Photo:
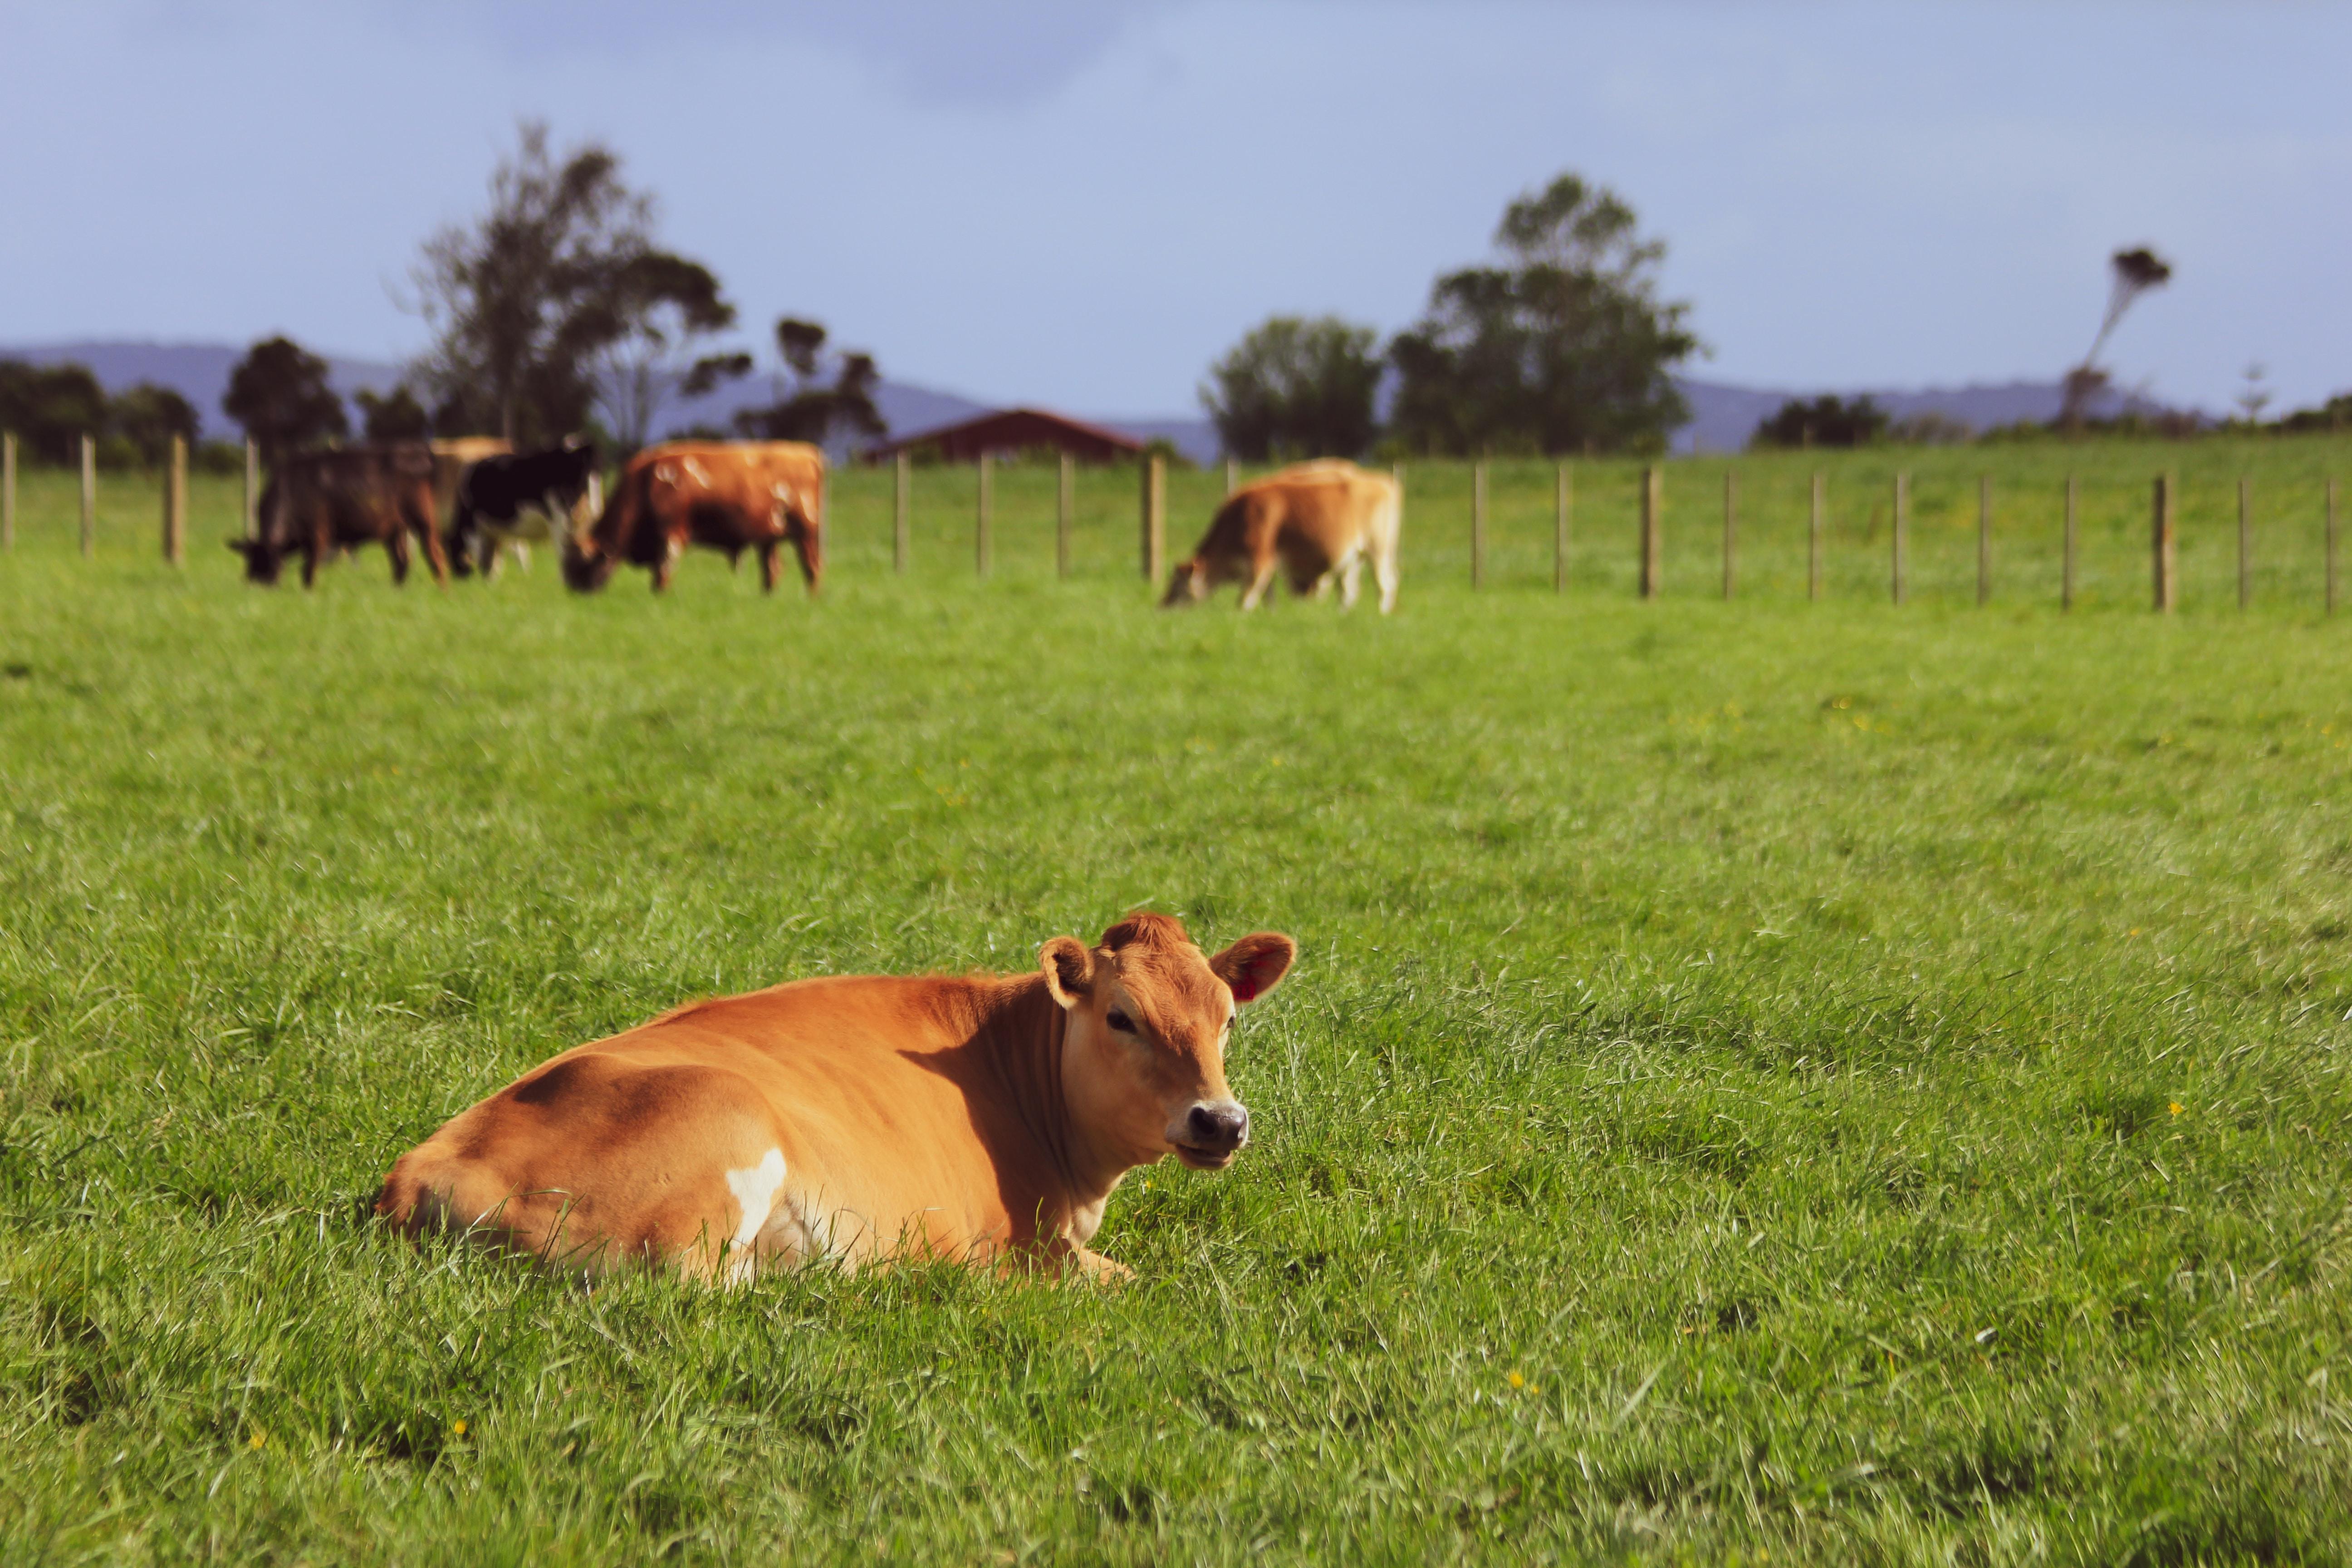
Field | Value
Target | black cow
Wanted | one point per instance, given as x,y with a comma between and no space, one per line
321,502
530,496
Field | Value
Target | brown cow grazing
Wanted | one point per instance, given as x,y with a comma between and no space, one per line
856,1119
728,495
320,503
1313,520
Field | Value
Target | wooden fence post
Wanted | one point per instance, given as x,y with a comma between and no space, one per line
1730,532
1478,524
7,490
2331,546
1653,526
1813,542
89,498
2160,544
900,528
1155,515
1064,503
252,489
2245,542
175,504
1561,502
1984,540
1902,530
2067,553
979,541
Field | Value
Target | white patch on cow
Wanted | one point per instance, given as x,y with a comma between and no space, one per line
694,470
755,1189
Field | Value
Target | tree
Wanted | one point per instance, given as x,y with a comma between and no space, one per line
393,415
1565,345
807,408
50,407
1824,422
1295,388
665,305
148,417
2131,273
278,391
557,286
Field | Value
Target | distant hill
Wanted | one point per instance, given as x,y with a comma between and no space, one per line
1722,416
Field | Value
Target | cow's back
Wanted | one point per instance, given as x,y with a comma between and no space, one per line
848,1116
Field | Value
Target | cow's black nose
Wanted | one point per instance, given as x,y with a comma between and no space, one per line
1217,1126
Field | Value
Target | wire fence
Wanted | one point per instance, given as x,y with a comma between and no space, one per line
2220,522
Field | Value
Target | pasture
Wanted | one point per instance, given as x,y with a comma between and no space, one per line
1763,1083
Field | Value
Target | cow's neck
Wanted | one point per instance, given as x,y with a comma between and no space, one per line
1027,1033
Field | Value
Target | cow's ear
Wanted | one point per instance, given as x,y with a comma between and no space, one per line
1255,964
1069,966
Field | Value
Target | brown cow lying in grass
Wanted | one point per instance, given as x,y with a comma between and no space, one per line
727,495
856,1119
319,502
1312,520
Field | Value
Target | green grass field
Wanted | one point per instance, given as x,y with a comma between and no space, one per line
1763,1083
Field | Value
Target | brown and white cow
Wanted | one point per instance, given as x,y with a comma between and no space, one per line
859,1119
319,502
1312,520
727,495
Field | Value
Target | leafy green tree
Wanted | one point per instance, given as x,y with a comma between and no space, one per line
557,288
807,407
1824,422
393,415
50,407
1295,388
148,417
278,391
1563,345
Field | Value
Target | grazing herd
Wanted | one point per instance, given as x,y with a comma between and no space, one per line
1314,524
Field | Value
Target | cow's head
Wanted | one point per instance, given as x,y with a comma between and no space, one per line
262,559
1143,1063
1189,585
587,566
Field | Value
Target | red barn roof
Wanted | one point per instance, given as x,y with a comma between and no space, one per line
1016,430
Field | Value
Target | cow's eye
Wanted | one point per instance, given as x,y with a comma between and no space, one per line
1120,1021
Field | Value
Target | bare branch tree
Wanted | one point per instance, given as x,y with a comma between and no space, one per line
2132,273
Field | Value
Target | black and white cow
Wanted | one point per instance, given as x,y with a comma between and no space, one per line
530,497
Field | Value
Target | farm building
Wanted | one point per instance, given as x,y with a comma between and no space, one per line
1010,430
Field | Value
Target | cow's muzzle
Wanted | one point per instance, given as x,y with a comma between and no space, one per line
1211,1134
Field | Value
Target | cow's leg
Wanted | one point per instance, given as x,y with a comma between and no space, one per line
771,565
662,568
1384,573
314,549
421,524
1260,583
395,545
1350,578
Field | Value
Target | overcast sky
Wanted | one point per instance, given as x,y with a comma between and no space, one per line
1081,202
